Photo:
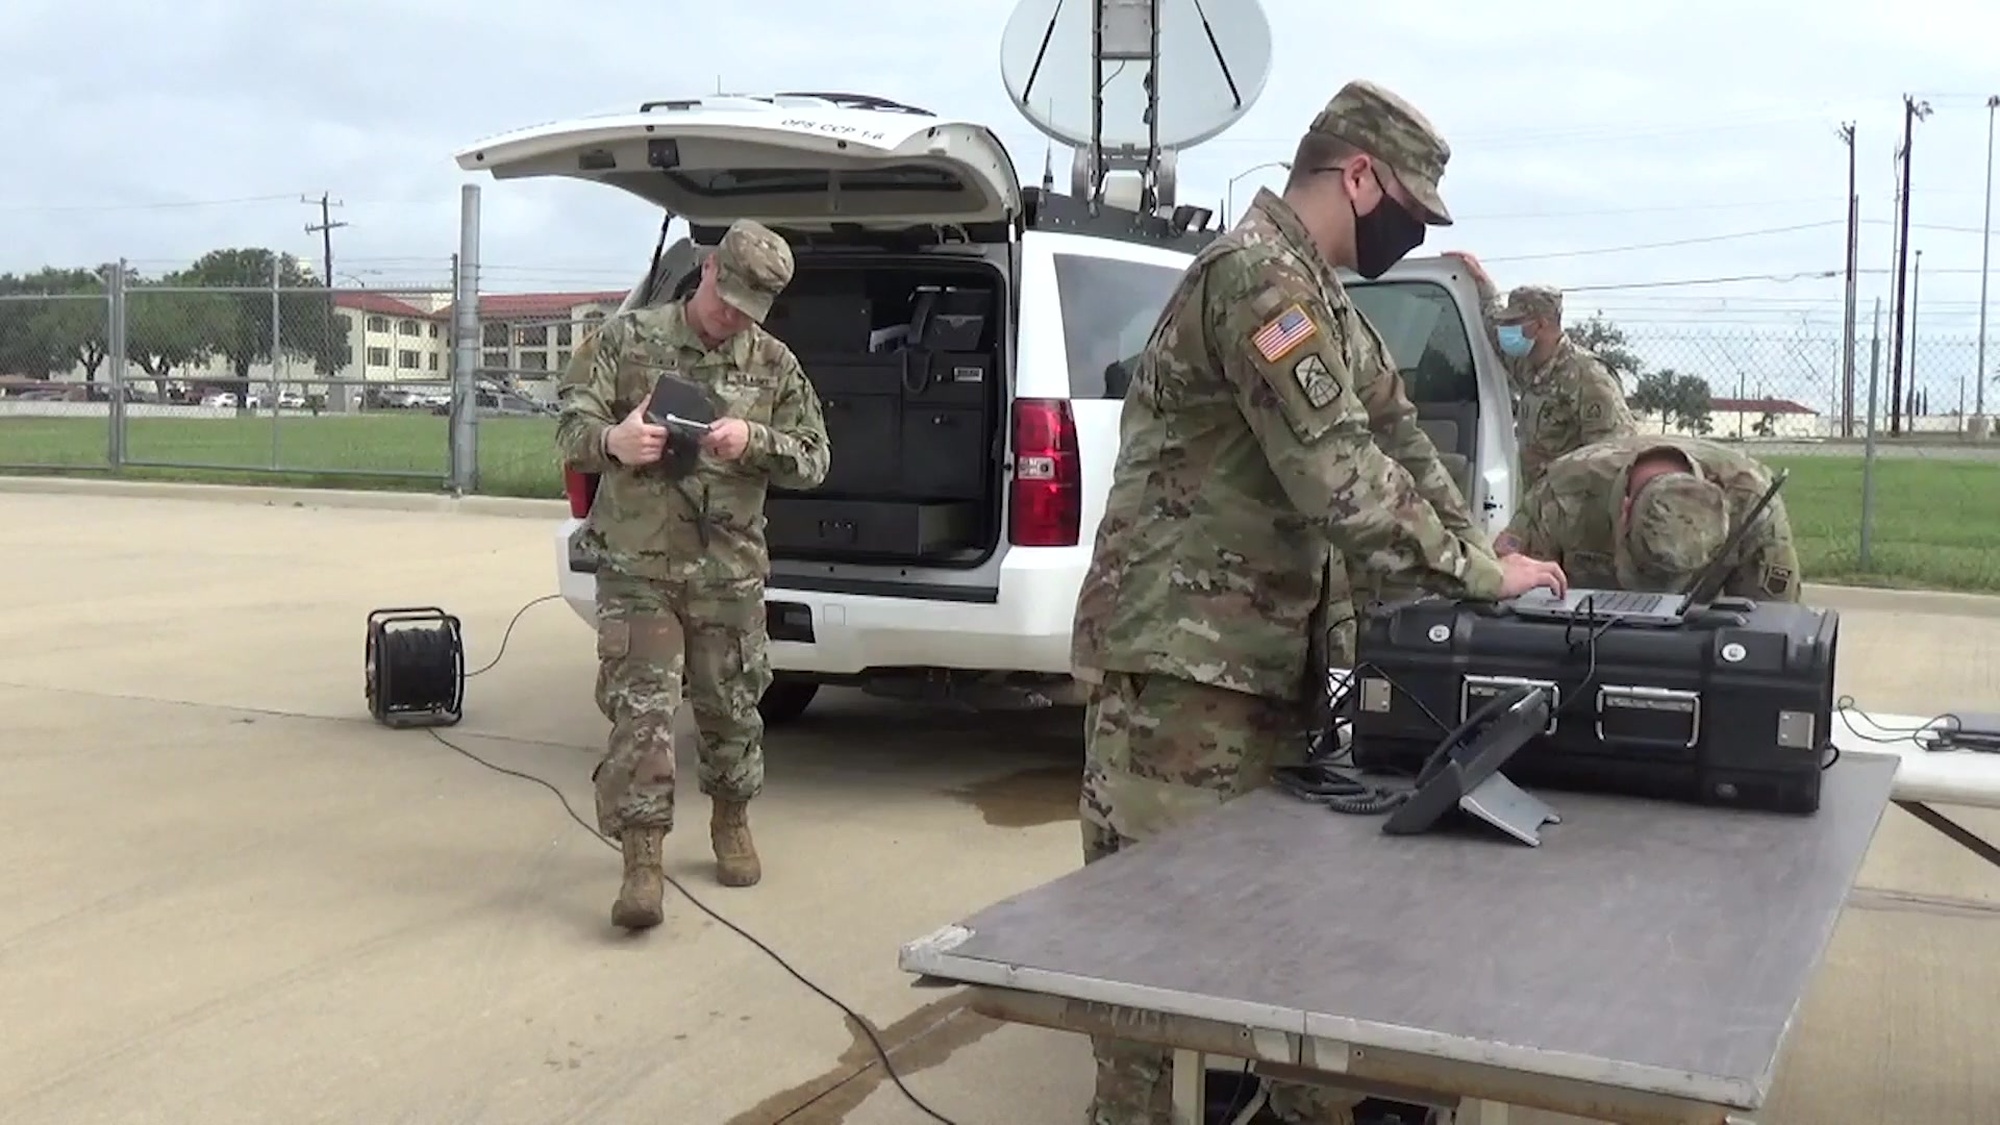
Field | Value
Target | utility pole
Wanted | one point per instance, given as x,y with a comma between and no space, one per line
1916,285
1912,111
1868,450
336,400
1847,317
325,228
1985,259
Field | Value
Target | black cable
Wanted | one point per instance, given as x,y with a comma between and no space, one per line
1325,778
1939,727
435,659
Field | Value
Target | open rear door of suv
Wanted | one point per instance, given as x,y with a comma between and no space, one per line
804,163
904,226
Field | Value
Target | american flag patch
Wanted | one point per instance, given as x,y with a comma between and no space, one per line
1286,331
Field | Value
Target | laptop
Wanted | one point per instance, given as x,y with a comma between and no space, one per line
1962,730
1636,607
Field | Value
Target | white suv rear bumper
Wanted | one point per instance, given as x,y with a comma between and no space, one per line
1026,630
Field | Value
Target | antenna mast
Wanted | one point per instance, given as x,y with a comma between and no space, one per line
1126,31
1161,78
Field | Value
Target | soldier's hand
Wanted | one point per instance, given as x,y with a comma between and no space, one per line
636,441
727,438
1520,574
1471,261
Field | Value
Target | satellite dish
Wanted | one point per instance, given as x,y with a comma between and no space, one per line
1212,58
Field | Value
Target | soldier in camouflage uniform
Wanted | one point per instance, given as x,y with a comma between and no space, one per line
1565,397
1246,469
680,587
1647,512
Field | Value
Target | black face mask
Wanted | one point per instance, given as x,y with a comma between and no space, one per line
1383,236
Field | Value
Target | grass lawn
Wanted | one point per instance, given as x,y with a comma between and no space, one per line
516,455
1937,522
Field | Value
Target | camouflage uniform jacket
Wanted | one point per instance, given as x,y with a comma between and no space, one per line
1568,401
1246,459
706,528
1572,516
1565,402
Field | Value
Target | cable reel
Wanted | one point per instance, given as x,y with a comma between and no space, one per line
415,667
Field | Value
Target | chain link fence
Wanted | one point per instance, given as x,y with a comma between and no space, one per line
1789,386
246,367
290,383
526,342
1904,499
55,380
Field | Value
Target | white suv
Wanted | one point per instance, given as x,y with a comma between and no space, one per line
942,556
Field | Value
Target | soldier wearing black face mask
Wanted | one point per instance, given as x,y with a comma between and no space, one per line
1266,440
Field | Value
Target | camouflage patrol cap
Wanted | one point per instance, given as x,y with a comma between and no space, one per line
1392,131
1529,302
1678,521
752,266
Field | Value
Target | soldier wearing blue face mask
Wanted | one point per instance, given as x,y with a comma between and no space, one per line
1566,397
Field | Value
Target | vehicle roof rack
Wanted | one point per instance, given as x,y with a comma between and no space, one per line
1187,230
860,101
843,101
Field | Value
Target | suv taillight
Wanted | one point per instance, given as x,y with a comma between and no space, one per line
1046,508
581,488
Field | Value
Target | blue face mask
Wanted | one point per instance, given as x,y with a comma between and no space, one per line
1514,343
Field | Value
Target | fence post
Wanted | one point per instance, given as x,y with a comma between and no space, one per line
465,349
114,347
1868,449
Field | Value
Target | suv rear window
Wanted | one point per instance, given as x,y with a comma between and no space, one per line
1109,308
1426,336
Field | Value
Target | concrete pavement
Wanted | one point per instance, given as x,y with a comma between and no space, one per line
232,898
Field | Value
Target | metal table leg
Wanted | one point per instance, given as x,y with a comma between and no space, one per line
1951,828
1190,1104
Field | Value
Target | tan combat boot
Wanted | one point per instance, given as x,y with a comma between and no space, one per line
638,906
736,862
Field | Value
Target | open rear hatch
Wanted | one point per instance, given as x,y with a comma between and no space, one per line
805,163
908,350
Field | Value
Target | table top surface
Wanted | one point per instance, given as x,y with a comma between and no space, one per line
1644,944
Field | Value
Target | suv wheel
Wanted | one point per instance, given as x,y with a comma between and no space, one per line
786,699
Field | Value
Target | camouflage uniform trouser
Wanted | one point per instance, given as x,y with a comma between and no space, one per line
654,641
1157,751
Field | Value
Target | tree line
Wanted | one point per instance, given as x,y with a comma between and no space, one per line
219,308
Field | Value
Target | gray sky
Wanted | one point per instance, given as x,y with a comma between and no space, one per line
157,131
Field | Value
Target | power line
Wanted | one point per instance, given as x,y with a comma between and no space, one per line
1818,275
1666,245
157,205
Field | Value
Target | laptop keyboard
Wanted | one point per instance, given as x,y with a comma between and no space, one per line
1616,601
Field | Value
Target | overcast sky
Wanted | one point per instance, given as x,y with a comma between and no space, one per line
1584,135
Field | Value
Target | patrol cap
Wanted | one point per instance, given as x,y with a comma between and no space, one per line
752,266
1678,522
1391,130
1530,302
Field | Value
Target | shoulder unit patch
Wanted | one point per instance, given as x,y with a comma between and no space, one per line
1315,380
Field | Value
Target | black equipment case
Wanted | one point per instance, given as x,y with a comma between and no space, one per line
1733,706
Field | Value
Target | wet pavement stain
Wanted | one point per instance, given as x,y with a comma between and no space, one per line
915,1043
1027,798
